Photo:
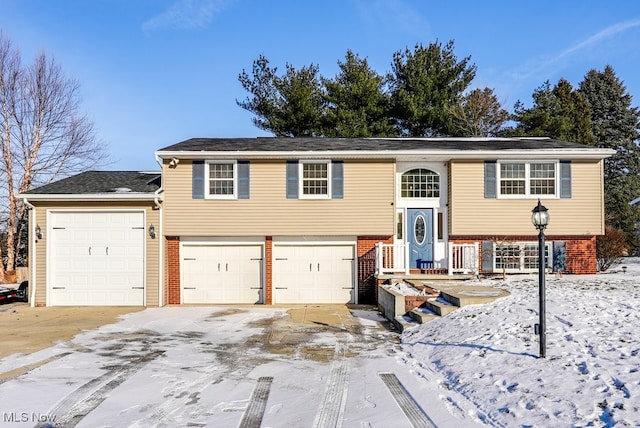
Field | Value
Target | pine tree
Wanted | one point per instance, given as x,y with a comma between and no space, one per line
616,124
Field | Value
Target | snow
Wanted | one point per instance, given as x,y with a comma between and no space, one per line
489,353
478,366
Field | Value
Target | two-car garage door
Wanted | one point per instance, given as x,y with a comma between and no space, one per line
224,273
96,258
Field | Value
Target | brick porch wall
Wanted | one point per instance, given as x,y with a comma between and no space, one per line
173,270
367,290
581,250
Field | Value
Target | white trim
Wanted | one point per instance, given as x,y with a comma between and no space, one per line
51,211
207,179
129,196
527,179
399,155
301,179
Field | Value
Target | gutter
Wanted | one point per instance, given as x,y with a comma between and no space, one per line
32,260
156,201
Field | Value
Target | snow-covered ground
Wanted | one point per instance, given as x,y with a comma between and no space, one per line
200,366
489,354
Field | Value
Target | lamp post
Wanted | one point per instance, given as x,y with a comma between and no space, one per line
540,219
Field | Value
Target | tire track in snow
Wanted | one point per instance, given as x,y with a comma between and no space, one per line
334,400
252,417
414,413
77,405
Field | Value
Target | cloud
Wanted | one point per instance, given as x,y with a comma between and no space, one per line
186,15
536,65
396,15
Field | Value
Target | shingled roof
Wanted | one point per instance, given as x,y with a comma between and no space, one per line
102,182
285,144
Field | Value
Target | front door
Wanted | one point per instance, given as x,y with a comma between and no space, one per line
420,236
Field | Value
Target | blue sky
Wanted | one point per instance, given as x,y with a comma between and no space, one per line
155,72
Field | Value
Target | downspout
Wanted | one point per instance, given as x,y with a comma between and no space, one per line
33,251
156,201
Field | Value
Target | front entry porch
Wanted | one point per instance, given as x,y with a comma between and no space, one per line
394,261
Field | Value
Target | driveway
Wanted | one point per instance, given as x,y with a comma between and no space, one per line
304,366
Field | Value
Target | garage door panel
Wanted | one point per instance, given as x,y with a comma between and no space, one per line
96,258
314,273
222,274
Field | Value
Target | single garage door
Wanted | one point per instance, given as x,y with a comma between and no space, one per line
222,273
96,258
313,274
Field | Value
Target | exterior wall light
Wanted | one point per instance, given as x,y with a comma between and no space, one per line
152,231
540,219
38,232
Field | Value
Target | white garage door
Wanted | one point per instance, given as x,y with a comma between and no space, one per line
96,258
222,273
313,274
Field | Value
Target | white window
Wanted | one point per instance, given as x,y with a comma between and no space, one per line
523,179
220,182
420,183
516,257
315,182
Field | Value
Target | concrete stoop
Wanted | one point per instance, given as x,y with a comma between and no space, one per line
449,298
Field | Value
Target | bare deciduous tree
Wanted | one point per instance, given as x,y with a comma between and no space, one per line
43,136
479,114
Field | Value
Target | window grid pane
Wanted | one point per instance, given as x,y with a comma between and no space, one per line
221,179
315,179
420,183
512,179
508,256
542,179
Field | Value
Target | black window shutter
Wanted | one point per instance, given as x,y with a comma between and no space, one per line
243,179
490,179
197,180
487,256
565,179
337,179
292,179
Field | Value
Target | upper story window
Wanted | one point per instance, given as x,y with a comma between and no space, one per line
315,179
420,183
221,181
527,179
218,179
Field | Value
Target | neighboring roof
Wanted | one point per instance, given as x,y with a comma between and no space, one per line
264,147
102,184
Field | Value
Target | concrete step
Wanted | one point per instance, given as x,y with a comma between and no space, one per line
440,306
423,315
470,295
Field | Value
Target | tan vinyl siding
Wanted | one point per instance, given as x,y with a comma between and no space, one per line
365,210
152,245
472,214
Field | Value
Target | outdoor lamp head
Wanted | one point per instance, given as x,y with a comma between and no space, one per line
540,216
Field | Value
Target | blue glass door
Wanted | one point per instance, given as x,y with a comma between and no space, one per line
420,237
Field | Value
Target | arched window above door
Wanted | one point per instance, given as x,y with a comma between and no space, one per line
420,183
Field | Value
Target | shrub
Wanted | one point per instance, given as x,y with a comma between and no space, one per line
611,248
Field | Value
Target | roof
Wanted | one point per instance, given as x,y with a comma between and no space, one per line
264,147
108,184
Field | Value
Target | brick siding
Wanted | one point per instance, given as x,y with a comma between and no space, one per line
580,255
367,289
173,270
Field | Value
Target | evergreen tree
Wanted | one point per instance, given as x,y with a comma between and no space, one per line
425,84
559,112
357,105
615,125
290,105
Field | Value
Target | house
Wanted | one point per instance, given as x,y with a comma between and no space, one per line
306,220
